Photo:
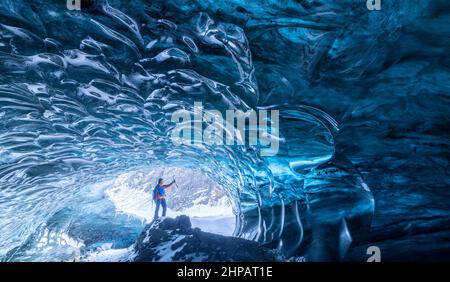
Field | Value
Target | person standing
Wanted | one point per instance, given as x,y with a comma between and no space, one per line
159,196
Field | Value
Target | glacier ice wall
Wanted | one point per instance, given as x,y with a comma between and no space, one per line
87,95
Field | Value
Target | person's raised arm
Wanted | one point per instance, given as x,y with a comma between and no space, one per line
169,185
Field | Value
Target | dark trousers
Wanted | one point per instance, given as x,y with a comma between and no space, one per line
160,202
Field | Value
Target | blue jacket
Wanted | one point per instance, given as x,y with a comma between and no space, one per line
160,191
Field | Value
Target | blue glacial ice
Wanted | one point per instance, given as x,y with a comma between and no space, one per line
86,99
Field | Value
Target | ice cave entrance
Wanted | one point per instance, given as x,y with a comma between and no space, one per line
195,195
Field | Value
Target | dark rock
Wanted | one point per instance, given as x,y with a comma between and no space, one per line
174,240
181,222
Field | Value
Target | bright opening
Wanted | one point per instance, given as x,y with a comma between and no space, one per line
194,195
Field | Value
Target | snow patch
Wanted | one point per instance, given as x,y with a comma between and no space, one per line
106,254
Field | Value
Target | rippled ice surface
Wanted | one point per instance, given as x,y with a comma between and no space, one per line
86,98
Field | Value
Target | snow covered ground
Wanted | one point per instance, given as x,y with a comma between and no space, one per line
223,225
107,254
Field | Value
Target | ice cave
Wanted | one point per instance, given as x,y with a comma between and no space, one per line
87,95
